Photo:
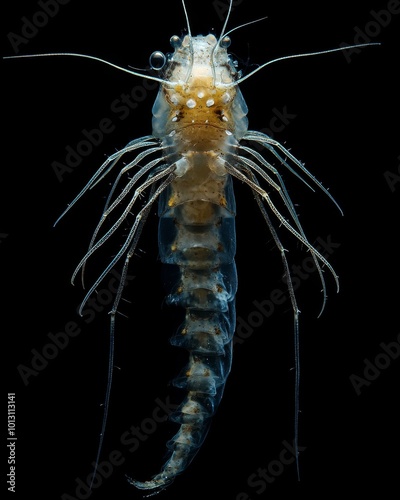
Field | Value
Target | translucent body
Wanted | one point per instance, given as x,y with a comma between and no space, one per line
197,234
200,142
200,121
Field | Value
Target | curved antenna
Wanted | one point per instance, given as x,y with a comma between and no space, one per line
229,32
226,34
187,19
226,21
243,25
219,41
98,59
306,54
191,49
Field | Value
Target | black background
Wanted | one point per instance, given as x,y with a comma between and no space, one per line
346,131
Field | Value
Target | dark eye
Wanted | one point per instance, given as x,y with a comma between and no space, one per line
225,42
175,41
157,60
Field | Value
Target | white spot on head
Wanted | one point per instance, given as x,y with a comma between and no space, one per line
191,103
175,119
174,99
200,95
171,134
224,118
210,103
228,132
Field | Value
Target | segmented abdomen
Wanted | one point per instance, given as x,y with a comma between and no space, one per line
197,235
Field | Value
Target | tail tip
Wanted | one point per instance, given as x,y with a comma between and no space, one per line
157,484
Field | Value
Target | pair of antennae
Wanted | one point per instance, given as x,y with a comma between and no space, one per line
222,35
218,41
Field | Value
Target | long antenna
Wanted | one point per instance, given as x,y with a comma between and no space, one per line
226,21
306,54
191,49
219,41
98,59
